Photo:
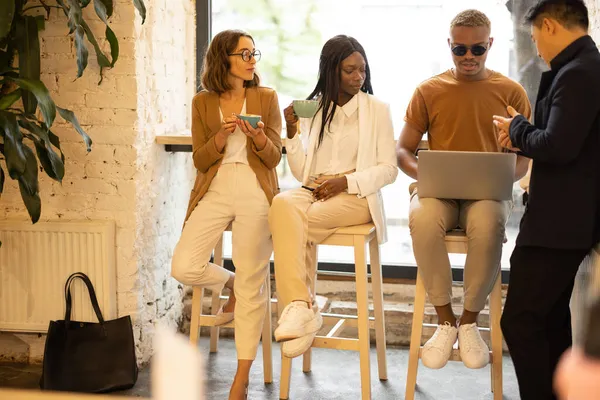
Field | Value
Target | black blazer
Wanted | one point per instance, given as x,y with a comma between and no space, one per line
563,210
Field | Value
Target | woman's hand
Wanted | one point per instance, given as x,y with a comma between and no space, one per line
227,127
330,188
291,119
257,135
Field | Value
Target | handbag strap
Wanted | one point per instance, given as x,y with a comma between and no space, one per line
91,292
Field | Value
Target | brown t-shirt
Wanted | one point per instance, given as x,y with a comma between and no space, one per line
457,115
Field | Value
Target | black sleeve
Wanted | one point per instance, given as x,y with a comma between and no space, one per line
574,108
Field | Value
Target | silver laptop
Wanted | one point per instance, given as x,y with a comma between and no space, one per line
466,175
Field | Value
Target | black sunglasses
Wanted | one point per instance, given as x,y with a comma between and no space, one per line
477,50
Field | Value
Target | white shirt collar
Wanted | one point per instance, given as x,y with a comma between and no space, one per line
350,107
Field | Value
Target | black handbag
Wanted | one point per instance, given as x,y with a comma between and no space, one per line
87,356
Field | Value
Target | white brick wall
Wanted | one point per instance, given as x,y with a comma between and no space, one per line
594,7
127,177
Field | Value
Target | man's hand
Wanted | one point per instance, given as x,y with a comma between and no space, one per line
502,125
330,188
577,376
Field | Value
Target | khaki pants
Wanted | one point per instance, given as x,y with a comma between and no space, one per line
297,223
483,221
234,197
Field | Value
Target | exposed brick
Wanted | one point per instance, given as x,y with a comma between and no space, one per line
109,170
111,100
56,45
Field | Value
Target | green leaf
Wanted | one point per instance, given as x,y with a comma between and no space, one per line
9,99
102,59
101,7
29,179
2,178
56,143
85,3
42,95
29,187
69,115
114,45
41,21
101,11
108,4
7,13
51,162
28,46
75,15
13,144
82,51
139,4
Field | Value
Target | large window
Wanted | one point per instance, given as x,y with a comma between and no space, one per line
405,41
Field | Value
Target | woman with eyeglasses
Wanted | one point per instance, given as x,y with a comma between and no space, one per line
235,184
343,156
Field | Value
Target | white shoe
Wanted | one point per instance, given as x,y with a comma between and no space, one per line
296,347
473,350
437,351
297,320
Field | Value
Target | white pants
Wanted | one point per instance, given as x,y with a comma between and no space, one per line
299,223
235,197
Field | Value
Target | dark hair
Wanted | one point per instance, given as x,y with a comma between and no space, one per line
569,13
335,50
216,62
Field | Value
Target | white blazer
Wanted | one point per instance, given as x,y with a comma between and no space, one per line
376,164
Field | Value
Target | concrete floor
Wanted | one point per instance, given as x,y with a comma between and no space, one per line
335,375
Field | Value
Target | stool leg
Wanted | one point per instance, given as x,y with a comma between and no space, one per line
197,296
286,375
267,336
214,331
216,299
496,337
415,338
307,356
362,306
377,291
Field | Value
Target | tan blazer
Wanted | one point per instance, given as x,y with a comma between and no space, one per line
206,122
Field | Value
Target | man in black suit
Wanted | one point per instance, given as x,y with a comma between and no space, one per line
561,223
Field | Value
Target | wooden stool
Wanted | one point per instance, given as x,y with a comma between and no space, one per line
199,319
456,242
359,237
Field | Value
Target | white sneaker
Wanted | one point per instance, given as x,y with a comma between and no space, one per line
474,352
296,347
437,351
297,320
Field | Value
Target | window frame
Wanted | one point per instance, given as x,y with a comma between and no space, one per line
341,269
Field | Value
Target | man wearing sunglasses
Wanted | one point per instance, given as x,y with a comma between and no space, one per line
455,109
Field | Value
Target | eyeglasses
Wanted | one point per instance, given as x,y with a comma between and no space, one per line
461,50
247,55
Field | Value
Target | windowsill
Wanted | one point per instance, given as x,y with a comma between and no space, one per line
183,142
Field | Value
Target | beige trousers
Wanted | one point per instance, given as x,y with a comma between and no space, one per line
483,221
235,197
297,223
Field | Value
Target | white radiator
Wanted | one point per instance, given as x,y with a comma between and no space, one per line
36,260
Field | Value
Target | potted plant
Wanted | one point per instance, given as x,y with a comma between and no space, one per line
27,110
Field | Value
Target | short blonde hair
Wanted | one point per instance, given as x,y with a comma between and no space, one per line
471,18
